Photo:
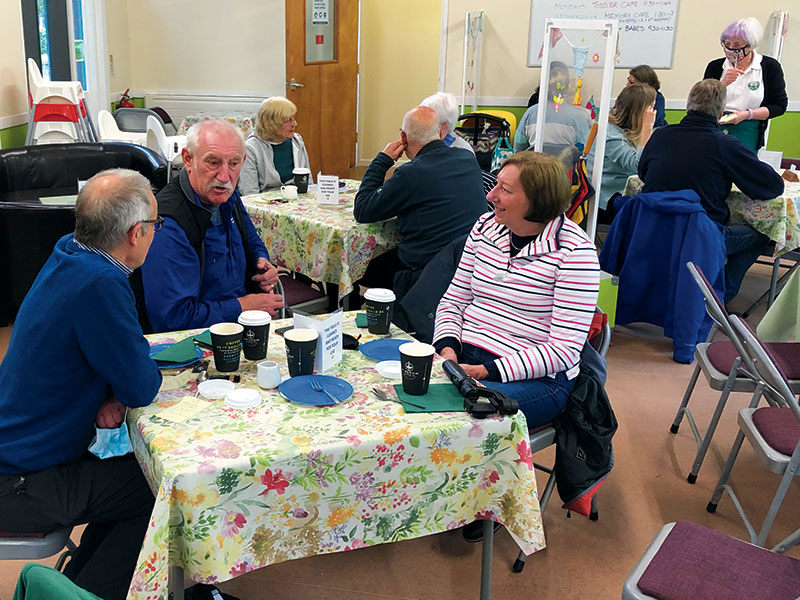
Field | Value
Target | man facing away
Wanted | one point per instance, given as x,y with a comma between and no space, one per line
446,106
696,155
436,197
208,263
77,358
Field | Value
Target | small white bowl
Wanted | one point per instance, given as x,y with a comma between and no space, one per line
213,389
389,369
243,398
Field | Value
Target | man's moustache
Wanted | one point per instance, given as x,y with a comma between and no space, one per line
227,185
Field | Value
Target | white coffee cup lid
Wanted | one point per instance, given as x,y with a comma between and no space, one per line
417,349
380,295
389,369
243,398
301,170
212,389
254,317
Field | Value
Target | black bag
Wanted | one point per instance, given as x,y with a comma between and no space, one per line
483,131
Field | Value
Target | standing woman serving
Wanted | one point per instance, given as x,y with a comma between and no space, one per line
274,150
756,90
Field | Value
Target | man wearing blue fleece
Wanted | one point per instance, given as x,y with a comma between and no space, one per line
76,359
208,263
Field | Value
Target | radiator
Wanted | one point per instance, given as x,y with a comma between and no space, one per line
179,105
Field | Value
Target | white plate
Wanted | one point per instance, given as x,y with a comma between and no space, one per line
389,369
212,389
243,398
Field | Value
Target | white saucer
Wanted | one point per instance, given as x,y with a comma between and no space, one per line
389,369
243,398
212,389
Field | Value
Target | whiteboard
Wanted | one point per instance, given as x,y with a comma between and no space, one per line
646,27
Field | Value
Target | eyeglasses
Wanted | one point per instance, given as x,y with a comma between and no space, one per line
741,51
157,222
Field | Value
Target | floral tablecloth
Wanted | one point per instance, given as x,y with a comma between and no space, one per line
321,241
777,218
237,490
243,120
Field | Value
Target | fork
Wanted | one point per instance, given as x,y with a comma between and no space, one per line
317,387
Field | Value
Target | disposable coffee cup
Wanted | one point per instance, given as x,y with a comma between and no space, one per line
301,177
226,340
379,305
301,350
416,362
255,334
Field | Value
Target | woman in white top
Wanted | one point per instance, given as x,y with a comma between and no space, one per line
274,150
755,84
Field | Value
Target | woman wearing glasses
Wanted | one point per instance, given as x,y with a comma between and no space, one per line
755,85
274,150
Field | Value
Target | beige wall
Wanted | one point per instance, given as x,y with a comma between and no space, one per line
505,45
13,86
118,39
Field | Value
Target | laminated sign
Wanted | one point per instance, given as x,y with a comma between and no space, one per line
327,189
329,342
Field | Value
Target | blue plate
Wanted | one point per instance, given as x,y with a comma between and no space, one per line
156,348
383,349
298,390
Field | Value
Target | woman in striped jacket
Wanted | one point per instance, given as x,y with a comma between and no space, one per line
518,310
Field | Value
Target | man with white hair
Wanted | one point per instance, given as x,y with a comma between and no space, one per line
446,106
436,197
209,264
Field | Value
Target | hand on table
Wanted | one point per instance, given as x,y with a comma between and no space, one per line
395,149
731,75
267,275
268,302
111,414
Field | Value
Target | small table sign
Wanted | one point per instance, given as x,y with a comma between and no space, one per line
327,189
329,343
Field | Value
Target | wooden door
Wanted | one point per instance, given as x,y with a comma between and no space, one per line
322,56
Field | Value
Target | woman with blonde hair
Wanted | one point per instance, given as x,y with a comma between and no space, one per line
274,149
630,124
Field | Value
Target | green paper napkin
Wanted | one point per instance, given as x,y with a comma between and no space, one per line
204,337
361,319
179,352
441,397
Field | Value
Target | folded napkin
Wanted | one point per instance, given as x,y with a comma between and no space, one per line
361,319
204,338
441,397
182,351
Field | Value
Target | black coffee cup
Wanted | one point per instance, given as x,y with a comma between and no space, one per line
226,341
379,306
416,362
301,350
301,177
255,334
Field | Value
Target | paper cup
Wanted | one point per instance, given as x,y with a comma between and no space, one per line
379,306
416,361
301,177
226,340
301,350
255,334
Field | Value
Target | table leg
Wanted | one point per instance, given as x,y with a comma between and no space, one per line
486,559
176,582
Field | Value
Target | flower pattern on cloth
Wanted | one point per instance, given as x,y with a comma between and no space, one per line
237,490
243,120
321,241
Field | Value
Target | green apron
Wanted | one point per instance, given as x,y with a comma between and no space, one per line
746,131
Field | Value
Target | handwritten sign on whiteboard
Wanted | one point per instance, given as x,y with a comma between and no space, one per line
646,27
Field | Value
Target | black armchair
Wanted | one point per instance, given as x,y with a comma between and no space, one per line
30,229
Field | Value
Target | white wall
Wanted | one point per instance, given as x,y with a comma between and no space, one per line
13,85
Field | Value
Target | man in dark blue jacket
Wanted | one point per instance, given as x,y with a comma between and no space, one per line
208,263
76,360
436,197
697,155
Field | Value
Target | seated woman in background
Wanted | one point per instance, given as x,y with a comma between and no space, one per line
645,74
630,124
755,85
518,310
565,124
274,150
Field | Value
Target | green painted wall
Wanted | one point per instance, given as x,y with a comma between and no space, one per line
13,137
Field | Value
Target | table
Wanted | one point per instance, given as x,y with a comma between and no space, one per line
777,218
239,490
321,241
244,120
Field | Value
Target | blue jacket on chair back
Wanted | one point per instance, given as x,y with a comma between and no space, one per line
650,241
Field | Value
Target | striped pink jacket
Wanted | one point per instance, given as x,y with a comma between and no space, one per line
533,310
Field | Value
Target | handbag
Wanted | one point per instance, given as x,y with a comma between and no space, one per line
502,151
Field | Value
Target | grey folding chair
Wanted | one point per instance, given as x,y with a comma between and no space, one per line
36,546
725,366
299,296
135,119
772,431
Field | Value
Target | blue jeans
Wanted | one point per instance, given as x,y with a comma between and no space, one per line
540,400
743,246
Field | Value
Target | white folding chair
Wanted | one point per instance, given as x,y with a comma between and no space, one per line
110,132
169,146
773,432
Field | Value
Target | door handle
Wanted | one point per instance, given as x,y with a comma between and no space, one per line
293,85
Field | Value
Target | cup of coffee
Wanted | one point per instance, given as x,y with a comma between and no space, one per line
289,192
226,340
379,305
301,177
416,362
269,374
301,350
255,334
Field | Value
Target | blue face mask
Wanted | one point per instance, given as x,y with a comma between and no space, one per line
111,442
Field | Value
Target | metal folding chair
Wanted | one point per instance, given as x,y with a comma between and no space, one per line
36,546
773,432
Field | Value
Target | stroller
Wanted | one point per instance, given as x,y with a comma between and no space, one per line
483,132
